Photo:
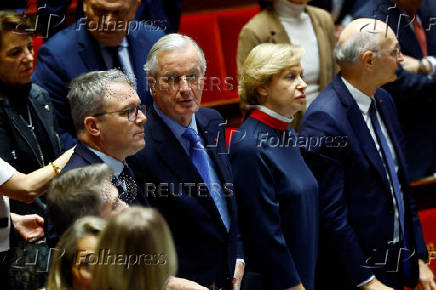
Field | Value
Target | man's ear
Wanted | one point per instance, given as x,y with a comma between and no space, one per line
151,81
92,126
368,60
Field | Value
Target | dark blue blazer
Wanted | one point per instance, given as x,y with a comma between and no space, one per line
73,52
278,205
413,93
206,251
356,204
81,157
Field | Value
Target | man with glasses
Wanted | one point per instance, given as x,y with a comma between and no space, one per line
185,169
370,235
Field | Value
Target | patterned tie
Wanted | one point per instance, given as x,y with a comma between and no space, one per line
200,159
389,161
420,36
126,185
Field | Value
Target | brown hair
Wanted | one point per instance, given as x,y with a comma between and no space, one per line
13,21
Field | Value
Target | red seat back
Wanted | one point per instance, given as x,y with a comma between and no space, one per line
230,24
428,222
203,28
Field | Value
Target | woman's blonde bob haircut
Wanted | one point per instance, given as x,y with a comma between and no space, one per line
264,61
60,276
142,235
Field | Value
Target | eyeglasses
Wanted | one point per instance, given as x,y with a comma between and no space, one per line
132,112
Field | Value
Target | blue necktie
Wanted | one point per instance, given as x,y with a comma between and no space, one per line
201,161
389,161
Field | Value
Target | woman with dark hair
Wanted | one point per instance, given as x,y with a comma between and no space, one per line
28,138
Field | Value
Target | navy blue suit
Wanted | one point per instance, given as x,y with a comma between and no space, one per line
73,52
81,157
356,204
413,93
206,251
278,205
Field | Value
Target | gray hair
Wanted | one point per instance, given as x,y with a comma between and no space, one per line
170,42
87,92
76,193
356,45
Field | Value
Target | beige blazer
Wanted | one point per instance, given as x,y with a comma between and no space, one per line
266,27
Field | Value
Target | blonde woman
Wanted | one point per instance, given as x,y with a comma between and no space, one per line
74,254
277,196
140,240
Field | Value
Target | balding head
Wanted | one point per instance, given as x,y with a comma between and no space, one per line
368,53
359,36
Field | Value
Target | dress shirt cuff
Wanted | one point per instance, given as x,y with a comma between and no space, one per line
366,281
432,60
241,261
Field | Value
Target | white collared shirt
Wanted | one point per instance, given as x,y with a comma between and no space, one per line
364,102
6,172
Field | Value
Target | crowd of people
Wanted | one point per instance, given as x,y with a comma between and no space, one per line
112,175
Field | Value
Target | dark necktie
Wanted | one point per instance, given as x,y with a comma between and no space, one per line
129,194
113,51
200,159
389,161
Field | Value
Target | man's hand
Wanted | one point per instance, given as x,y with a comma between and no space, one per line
375,284
30,227
175,283
237,276
426,279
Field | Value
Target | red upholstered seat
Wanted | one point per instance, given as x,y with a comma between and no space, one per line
37,42
230,24
428,222
203,28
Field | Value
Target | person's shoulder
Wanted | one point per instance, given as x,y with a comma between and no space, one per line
259,20
143,31
209,113
63,40
319,13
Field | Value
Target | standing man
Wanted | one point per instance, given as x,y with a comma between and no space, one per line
414,24
106,38
370,235
184,169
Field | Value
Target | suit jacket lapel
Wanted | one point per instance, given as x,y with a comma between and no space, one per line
43,115
361,130
177,161
136,53
89,51
278,33
211,134
385,115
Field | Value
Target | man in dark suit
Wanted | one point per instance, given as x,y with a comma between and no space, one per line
109,118
370,235
184,169
413,22
106,38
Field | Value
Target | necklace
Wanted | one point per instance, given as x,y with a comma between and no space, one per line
30,125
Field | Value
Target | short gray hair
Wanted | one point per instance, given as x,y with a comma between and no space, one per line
170,42
87,92
356,45
76,193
